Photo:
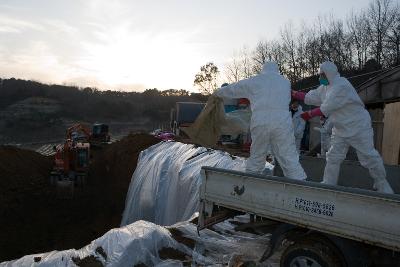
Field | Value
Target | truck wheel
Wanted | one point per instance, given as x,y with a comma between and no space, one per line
311,253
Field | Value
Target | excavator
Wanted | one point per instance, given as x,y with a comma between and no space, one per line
71,161
99,134
78,132
71,166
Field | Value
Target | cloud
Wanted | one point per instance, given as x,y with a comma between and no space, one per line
109,44
60,26
15,25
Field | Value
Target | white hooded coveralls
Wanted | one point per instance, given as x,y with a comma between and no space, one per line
351,127
326,132
298,125
271,120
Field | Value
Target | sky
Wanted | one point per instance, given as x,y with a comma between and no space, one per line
133,45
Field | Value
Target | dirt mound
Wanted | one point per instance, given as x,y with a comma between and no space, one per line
22,169
33,220
112,169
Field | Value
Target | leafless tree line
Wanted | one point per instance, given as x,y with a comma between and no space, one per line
372,33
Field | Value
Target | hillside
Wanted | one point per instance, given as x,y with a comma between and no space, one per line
31,111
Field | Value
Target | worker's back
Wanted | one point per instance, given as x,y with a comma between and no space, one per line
269,97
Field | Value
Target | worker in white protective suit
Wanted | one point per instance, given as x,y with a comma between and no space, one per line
326,133
271,121
351,122
298,123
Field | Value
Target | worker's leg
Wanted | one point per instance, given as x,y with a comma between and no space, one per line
325,143
258,150
284,149
334,157
370,159
298,144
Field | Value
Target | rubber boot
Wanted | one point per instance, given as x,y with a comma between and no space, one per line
382,186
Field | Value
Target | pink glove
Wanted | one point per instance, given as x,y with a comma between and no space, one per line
298,95
311,114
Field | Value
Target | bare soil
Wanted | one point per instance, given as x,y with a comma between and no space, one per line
33,220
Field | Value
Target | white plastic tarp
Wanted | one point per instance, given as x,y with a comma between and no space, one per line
165,185
142,241
132,244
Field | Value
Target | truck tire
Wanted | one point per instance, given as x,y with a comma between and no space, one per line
312,253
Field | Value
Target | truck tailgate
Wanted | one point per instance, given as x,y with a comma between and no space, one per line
357,214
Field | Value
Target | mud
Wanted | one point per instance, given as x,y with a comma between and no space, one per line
33,220
173,254
180,238
90,261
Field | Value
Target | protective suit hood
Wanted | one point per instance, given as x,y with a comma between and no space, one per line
270,67
330,70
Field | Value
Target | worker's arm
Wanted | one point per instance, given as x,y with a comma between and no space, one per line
313,97
240,89
337,98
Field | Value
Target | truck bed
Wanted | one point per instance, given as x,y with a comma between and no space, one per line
353,213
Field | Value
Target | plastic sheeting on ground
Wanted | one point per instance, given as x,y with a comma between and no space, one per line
138,242
164,188
165,185
143,243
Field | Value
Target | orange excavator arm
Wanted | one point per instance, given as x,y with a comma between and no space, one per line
79,128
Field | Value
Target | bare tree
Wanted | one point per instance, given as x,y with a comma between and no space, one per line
206,79
358,34
246,62
381,16
313,57
392,41
289,50
301,53
277,55
233,71
338,44
240,67
373,33
261,53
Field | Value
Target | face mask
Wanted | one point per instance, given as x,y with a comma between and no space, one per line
323,81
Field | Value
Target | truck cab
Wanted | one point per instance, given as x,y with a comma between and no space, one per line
184,114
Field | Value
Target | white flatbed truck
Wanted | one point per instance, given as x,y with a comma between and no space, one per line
322,225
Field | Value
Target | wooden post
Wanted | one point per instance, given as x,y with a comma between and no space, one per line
391,136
